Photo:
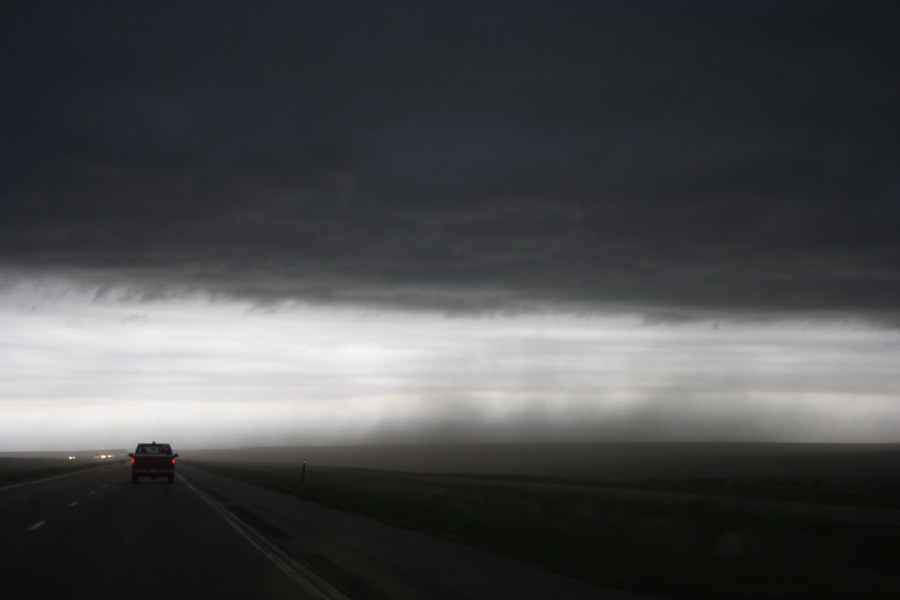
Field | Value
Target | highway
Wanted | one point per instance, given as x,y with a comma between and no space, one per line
95,534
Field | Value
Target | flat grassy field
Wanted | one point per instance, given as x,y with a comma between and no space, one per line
17,470
832,464
692,549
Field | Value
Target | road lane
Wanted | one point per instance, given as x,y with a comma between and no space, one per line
149,540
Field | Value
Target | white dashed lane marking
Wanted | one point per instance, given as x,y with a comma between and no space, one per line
92,493
36,525
74,503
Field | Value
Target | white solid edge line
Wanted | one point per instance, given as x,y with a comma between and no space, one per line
301,575
36,525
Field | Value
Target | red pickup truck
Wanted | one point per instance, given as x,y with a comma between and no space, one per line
153,460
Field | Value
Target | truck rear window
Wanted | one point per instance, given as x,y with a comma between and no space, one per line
154,449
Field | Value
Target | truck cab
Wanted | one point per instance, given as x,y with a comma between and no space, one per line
153,460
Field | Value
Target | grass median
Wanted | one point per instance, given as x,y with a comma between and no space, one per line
20,470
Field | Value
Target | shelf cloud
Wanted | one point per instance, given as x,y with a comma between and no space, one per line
711,160
344,222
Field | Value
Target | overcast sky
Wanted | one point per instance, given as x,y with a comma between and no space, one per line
225,223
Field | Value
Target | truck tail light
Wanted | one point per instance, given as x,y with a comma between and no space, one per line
132,461
173,461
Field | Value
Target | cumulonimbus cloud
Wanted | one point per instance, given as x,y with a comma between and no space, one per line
714,160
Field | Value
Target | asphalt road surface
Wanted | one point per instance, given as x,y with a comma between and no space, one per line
94,534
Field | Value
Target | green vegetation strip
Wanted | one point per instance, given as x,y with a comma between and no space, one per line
883,494
682,551
13,471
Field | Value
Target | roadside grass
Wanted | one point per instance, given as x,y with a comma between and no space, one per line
683,551
883,494
18,470
815,491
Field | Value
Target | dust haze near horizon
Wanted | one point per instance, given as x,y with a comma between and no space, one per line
494,221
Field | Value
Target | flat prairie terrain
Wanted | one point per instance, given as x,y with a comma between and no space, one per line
834,464
682,520
14,470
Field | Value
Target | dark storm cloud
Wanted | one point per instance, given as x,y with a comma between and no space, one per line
704,159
